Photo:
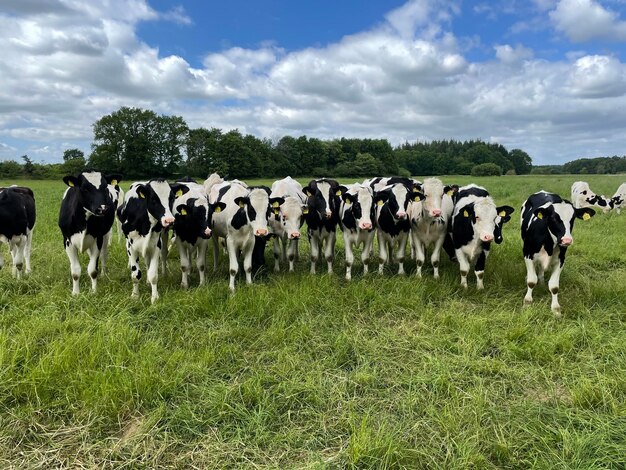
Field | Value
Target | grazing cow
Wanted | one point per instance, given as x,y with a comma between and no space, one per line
392,222
429,222
17,219
547,222
322,218
619,197
85,220
145,213
242,221
356,215
192,227
475,223
379,183
288,207
583,196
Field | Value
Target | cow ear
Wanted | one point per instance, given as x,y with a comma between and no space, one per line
71,181
276,202
218,207
242,201
142,191
114,179
348,198
380,197
585,213
468,211
417,196
451,189
182,209
505,212
543,212
305,209
179,189
340,190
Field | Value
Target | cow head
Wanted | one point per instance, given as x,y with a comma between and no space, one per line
256,208
486,219
289,212
434,194
360,200
159,198
559,219
93,191
396,199
194,215
322,197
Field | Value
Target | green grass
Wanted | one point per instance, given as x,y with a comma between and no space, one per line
301,371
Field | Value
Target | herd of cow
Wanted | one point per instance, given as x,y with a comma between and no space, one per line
464,221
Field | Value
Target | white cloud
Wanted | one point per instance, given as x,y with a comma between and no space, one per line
584,20
510,55
598,77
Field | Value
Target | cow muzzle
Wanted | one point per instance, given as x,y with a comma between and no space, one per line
328,214
206,233
566,241
486,237
365,225
102,210
294,235
435,212
260,232
167,221
401,215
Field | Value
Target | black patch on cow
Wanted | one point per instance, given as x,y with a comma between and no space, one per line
17,211
471,191
239,219
462,228
389,224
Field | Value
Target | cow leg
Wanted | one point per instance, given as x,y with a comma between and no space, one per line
135,271
233,262
401,253
349,256
164,249
383,255
247,262
276,250
72,254
315,251
185,263
558,260
292,251
420,255
104,252
216,251
435,257
17,253
531,280
464,266
153,261
28,250
479,269
94,257
367,251
201,260
330,250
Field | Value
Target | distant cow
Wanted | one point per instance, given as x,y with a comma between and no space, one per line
619,198
243,220
583,196
322,218
429,222
17,220
356,216
288,211
476,222
145,213
381,182
547,222
392,222
85,220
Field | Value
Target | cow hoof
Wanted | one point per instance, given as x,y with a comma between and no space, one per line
528,302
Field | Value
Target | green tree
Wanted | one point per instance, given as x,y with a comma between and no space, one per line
73,161
29,166
522,163
487,169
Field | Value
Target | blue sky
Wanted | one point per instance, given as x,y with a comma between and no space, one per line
547,76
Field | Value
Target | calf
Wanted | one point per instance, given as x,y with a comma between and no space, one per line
392,222
619,197
85,220
547,222
145,213
192,226
288,207
475,223
243,219
322,218
17,220
356,214
429,222
583,196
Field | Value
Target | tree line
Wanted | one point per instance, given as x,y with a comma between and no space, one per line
139,143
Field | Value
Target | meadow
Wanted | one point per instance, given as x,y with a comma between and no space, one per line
310,371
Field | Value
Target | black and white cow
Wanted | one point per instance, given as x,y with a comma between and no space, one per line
356,216
476,223
242,221
322,218
288,210
381,182
392,222
619,198
145,213
17,220
192,227
85,219
583,196
429,222
547,222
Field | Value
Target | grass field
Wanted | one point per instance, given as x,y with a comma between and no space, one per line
301,371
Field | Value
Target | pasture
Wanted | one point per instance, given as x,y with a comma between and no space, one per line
303,371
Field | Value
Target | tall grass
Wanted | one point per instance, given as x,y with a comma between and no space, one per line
311,371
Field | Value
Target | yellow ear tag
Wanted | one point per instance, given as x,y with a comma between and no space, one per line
70,184
308,193
142,195
217,209
241,204
380,203
502,214
586,216
338,193
417,198
179,193
540,215
113,182
275,204
450,192
276,211
348,202
305,211
183,212
465,214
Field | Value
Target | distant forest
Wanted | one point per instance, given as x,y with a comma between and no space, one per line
138,143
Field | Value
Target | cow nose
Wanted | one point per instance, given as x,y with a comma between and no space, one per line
294,235
487,237
102,209
207,232
167,221
260,232
567,241
328,214
401,214
365,225
435,212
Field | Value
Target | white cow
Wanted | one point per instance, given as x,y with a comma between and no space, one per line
583,196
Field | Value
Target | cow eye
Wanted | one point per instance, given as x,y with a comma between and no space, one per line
584,193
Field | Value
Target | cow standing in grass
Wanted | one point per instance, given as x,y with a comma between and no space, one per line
583,196
322,218
17,220
547,222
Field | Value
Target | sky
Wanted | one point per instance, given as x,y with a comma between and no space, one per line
545,76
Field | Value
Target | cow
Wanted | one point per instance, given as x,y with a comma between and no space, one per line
288,211
429,222
381,182
583,196
356,215
243,220
117,195
392,222
192,227
322,219
145,213
17,220
476,222
619,197
547,222
85,219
